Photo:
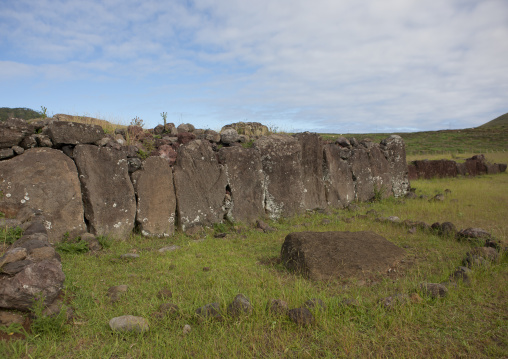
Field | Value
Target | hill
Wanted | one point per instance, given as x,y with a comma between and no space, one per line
500,122
23,113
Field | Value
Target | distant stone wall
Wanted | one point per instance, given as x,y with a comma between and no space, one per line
474,166
182,178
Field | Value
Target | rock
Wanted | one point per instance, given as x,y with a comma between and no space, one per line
415,298
434,290
281,160
129,323
13,255
277,307
343,142
134,164
73,133
168,153
156,199
434,169
228,136
169,309
301,316
210,311
206,269
476,235
108,194
312,170
330,255
164,293
359,163
41,253
437,198
461,273
45,179
394,300
252,129
44,278
472,260
263,226
338,178
43,140
395,152
91,242
444,229
116,292
240,306
315,303
13,131
186,329
200,184
185,127
486,252
6,153
212,136
129,256
15,267
169,249
245,183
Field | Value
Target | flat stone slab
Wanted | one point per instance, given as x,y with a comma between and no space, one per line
332,255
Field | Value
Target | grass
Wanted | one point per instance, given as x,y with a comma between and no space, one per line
470,322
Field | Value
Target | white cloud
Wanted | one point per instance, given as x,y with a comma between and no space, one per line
318,65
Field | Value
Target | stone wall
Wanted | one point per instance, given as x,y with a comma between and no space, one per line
181,178
474,166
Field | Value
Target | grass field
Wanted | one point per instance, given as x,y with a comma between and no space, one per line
472,321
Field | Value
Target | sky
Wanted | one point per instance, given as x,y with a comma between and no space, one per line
327,66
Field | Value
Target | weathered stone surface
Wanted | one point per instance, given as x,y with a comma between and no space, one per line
44,278
185,127
13,131
45,179
330,255
156,199
434,290
116,292
395,152
338,178
277,306
108,194
129,323
13,255
229,135
380,171
6,153
301,316
240,306
359,163
281,160
210,311
200,184
252,129
245,179
435,169
314,196
8,318
168,153
73,133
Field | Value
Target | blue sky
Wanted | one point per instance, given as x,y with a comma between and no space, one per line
324,65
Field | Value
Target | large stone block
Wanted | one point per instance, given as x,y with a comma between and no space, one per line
395,152
359,163
332,255
73,133
312,170
200,185
13,131
281,157
156,199
380,171
435,169
108,194
338,178
245,179
45,179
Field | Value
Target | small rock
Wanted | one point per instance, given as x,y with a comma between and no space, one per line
277,307
437,198
116,292
186,329
15,267
13,255
301,316
169,249
164,293
265,227
41,253
220,235
129,323
91,242
393,219
461,273
393,300
209,311
486,252
434,290
169,309
8,318
240,305
472,260
129,256
206,269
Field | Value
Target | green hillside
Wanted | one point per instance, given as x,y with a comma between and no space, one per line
23,113
500,122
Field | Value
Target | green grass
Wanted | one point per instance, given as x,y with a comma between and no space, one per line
471,322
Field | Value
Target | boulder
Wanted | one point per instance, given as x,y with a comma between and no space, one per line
314,196
185,127
156,199
281,158
362,174
395,152
338,178
240,306
108,194
200,185
73,133
245,179
45,179
43,279
229,135
13,131
251,129
129,323
331,255
380,171
435,169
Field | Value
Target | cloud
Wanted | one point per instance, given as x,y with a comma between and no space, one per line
322,65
